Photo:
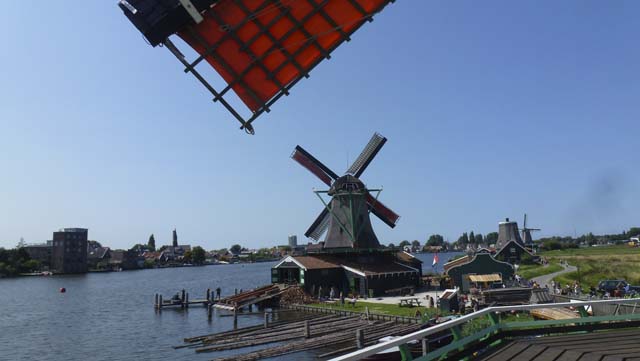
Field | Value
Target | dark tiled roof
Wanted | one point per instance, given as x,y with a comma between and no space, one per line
379,268
313,262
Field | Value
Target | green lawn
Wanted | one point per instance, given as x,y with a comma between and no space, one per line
530,271
380,308
590,251
598,263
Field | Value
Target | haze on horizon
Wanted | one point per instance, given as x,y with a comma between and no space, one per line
490,112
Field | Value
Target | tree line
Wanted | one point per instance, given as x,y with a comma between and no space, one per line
437,240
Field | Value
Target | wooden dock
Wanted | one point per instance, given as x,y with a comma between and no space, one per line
249,298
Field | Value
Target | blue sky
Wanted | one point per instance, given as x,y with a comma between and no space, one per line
491,111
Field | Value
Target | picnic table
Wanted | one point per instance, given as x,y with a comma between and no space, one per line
409,302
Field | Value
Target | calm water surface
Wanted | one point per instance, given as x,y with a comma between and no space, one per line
110,316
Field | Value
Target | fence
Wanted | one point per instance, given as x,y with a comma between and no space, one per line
497,329
371,316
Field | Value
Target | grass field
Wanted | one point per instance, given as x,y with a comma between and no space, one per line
530,271
598,263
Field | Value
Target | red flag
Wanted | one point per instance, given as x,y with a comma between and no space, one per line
435,260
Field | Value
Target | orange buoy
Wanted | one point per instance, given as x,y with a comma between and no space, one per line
63,290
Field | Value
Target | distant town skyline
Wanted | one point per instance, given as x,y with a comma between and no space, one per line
491,111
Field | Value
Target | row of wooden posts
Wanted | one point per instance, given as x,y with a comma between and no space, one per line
309,331
209,301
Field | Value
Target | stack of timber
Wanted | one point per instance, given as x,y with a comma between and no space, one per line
295,296
308,333
249,298
554,314
506,296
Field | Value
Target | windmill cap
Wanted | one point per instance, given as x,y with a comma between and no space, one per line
346,183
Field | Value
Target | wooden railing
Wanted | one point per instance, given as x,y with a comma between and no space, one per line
461,342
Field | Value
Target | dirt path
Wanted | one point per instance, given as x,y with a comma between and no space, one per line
546,279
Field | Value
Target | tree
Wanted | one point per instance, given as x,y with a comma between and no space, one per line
415,244
392,246
198,255
463,241
187,257
479,239
152,242
236,249
633,231
435,240
491,238
404,243
472,238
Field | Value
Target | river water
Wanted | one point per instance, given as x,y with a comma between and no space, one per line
110,316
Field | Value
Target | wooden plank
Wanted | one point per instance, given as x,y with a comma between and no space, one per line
611,346
591,357
570,356
510,352
531,353
550,354
590,337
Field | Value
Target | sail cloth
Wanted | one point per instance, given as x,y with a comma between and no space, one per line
261,48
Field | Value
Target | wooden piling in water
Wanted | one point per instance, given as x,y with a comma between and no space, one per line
186,302
235,318
209,311
307,329
160,302
266,319
155,305
208,294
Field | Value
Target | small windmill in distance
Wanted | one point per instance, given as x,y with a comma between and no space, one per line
526,233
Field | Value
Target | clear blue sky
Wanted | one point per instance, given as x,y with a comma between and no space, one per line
491,110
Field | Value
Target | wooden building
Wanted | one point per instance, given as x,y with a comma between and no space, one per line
515,253
366,274
479,264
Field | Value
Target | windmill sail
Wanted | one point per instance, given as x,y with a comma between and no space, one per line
260,48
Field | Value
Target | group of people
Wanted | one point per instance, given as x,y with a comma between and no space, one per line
340,297
575,289
467,304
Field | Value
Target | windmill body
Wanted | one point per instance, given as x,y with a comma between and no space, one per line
349,222
348,256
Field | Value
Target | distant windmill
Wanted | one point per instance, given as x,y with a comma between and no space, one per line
346,217
526,232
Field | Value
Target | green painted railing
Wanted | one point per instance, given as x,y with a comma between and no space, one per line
459,342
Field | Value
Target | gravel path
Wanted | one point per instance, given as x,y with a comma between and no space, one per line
546,279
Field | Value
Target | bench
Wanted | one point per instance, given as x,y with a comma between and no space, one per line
409,302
